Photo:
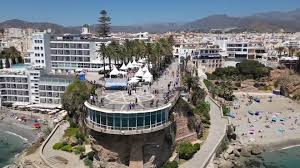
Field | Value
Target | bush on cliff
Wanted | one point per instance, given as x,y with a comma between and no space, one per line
172,164
186,150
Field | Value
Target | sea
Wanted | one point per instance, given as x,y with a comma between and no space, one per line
283,158
11,145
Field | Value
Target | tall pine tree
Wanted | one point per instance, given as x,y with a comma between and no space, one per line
104,24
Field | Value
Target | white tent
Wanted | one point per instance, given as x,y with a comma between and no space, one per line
148,77
139,73
124,67
145,69
129,65
123,73
135,64
115,71
142,60
133,81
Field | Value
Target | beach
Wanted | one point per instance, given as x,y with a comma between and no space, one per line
16,136
272,122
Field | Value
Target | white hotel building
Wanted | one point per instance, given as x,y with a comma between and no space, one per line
24,86
65,54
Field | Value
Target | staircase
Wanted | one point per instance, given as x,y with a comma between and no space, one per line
182,131
136,154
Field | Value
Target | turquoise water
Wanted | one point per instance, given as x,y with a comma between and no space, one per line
10,146
285,158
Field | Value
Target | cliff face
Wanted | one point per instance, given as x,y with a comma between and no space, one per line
117,151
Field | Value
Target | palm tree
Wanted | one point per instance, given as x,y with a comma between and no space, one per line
148,50
280,50
298,63
291,51
103,53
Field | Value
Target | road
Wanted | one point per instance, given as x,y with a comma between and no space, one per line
56,157
217,131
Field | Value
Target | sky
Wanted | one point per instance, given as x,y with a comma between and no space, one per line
128,12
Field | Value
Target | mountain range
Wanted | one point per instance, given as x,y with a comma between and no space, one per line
260,22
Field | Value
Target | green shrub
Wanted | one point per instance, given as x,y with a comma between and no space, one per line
59,145
197,146
88,162
80,137
90,155
71,132
187,150
226,110
67,148
172,164
79,149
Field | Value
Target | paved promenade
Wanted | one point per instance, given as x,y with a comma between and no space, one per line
217,131
58,158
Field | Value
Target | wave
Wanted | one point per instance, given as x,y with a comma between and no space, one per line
17,135
292,146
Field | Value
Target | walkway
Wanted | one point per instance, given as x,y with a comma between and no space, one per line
58,158
217,131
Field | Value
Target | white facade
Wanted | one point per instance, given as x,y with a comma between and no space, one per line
241,50
23,86
40,51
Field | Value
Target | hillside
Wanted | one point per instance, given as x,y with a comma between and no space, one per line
260,22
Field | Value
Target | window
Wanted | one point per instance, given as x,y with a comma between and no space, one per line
86,52
73,52
66,45
79,52
59,45
66,52
42,48
79,45
53,51
53,45
72,45
86,46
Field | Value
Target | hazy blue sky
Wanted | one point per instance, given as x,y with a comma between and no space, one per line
123,12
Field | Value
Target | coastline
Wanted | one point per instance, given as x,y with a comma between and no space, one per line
20,131
280,144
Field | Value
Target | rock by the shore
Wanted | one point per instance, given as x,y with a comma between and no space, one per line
245,152
225,155
230,149
256,150
236,153
238,164
225,164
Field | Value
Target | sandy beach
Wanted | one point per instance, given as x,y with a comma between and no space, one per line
9,124
273,124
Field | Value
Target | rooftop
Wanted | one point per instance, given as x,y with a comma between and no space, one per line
142,98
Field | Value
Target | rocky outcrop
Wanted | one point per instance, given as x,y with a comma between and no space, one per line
256,150
236,154
106,155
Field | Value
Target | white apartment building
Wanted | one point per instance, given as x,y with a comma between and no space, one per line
40,50
182,51
240,50
24,86
207,59
65,54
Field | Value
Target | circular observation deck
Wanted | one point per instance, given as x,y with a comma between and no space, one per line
122,113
